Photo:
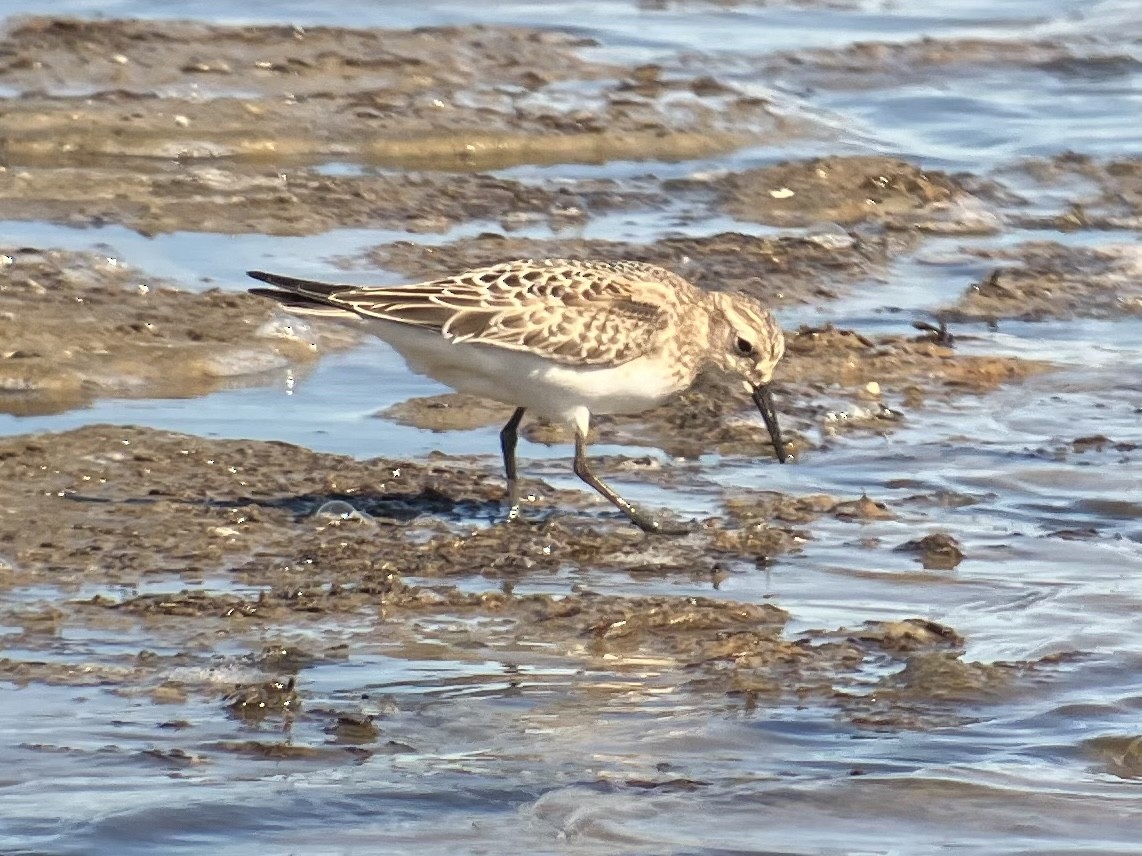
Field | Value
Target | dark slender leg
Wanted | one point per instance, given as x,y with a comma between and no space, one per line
508,437
639,518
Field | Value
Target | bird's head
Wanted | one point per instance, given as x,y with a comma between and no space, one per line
748,343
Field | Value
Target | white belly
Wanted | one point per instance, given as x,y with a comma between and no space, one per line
553,390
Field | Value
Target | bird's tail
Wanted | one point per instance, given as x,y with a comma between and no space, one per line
303,296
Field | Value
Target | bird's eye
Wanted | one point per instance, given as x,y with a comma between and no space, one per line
744,348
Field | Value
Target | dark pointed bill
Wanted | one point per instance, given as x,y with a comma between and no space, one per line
763,398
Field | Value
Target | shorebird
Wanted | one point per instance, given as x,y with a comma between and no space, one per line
563,338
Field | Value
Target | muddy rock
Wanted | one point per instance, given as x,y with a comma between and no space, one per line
353,730
1119,755
450,411
24,671
939,675
910,635
253,703
752,505
937,552
936,690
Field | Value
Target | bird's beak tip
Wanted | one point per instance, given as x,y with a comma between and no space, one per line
763,398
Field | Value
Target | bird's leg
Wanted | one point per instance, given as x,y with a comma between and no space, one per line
639,518
508,437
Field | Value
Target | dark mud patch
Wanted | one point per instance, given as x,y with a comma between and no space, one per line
452,411
255,702
831,382
888,375
922,694
80,326
1043,279
860,359
854,190
130,502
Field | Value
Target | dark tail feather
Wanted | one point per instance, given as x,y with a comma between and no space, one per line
306,287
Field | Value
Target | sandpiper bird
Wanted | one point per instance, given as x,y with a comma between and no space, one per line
563,338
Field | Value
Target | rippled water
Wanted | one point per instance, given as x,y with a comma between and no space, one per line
531,760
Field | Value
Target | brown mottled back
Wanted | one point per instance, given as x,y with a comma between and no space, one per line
621,309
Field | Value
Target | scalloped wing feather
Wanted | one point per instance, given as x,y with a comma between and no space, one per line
619,310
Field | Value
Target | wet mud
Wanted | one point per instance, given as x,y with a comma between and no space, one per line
1073,192
140,509
166,126
451,97
143,499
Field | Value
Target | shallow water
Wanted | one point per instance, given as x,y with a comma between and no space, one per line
537,759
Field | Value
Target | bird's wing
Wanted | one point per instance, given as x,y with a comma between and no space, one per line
574,312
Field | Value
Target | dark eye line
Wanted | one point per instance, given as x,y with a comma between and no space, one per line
743,346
